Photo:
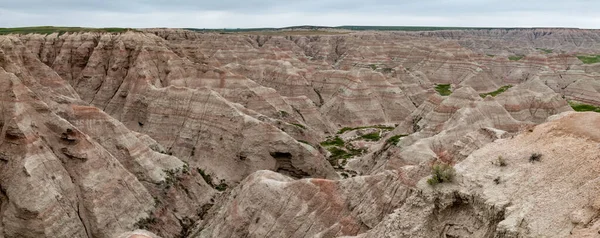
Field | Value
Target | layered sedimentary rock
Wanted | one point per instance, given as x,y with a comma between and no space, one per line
487,200
188,134
267,204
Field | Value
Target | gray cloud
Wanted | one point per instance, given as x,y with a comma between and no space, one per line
278,13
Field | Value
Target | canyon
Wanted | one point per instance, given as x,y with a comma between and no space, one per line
177,133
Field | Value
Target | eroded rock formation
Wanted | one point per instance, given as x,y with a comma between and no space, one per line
186,134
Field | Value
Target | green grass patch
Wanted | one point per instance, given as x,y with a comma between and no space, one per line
346,129
589,59
61,30
373,66
394,139
547,51
494,93
489,55
580,107
371,136
337,141
443,89
337,153
340,151
516,57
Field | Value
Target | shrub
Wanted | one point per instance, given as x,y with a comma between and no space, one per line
441,173
222,186
336,141
337,153
515,57
387,70
371,136
501,162
535,157
381,127
494,93
145,223
205,176
443,89
394,139
172,177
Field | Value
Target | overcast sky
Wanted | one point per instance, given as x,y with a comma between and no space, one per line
281,13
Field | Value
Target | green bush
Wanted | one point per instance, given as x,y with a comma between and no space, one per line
207,178
336,141
495,93
381,127
371,136
337,153
443,89
222,186
515,57
441,173
394,139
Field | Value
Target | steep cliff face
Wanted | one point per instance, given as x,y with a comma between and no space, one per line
205,135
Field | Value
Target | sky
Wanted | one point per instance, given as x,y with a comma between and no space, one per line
282,13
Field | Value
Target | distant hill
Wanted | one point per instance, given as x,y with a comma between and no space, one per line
352,28
57,29
61,29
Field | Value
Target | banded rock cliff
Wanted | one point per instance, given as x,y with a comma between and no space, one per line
186,134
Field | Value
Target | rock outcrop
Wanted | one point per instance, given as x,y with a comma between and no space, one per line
173,133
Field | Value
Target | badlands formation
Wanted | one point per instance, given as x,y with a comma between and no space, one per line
174,133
